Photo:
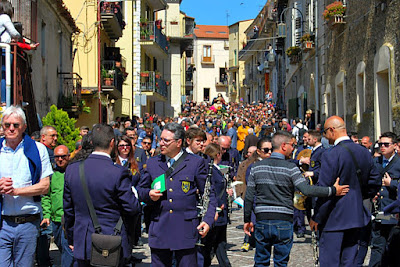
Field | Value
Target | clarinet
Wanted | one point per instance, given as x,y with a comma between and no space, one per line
205,199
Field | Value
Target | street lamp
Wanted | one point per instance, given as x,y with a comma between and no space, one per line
282,26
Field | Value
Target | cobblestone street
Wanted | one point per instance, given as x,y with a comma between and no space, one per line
300,256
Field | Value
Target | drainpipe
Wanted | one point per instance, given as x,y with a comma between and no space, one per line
8,72
99,59
316,78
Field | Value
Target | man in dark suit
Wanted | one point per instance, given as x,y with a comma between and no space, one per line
339,219
111,193
175,225
314,141
388,166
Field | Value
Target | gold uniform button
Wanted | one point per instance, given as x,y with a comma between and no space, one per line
382,189
171,179
170,190
170,211
170,200
381,197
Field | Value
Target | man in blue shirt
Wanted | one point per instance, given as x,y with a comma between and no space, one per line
25,170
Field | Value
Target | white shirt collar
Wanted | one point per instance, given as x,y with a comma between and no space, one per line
121,159
394,154
340,139
175,158
101,154
315,148
188,150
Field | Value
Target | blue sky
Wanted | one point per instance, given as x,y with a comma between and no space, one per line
213,12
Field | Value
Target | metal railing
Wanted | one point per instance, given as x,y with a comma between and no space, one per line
112,76
113,8
151,31
72,89
150,81
208,60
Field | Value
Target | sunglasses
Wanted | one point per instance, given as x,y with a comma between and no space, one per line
327,129
60,156
384,144
146,143
8,125
266,150
124,146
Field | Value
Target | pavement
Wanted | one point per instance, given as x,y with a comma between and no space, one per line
301,254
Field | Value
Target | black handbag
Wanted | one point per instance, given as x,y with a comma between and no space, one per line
106,249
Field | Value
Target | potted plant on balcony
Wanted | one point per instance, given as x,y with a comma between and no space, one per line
293,53
334,13
307,41
144,74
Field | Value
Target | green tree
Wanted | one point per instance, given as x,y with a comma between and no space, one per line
68,134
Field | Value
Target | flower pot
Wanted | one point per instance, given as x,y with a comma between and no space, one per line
118,64
308,45
108,81
151,37
336,20
157,76
144,74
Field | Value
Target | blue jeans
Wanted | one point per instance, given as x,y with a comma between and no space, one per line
67,256
18,243
275,233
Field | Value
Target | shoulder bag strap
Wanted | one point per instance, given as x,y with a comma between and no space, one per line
89,202
176,163
358,170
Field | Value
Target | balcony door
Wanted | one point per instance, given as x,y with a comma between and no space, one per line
207,53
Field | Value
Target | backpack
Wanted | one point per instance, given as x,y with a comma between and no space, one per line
300,134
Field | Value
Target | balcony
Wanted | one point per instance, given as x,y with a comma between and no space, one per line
153,40
112,19
208,60
222,81
70,100
112,79
150,81
233,64
247,47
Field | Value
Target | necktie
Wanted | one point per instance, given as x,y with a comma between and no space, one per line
385,163
123,162
171,162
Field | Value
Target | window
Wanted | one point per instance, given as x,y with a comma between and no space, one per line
43,40
207,53
206,94
360,89
340,89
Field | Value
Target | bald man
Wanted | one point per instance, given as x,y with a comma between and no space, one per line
230,156
340,219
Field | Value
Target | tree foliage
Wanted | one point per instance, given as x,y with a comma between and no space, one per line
68,134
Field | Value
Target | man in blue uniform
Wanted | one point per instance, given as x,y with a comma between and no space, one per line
314,141
175,226
339,219
388,166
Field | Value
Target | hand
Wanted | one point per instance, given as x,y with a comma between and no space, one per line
386,180
152,151
71,247
34,46
304,161
155,194
313,225
308,174
341,190
248,228
216,216
229,191
203,229
45,223
6,185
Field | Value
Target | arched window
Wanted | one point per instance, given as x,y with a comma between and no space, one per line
360,90
328,101
340,89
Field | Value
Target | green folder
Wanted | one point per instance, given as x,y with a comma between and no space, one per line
159,183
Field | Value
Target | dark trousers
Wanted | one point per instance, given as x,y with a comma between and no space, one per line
379,242
163,257
215,243
299,225
363,243
338,248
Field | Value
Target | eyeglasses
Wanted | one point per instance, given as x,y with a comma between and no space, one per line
60,156
146,143
327,129
291,144
124,146
266,150
8,125
166,141
224,149
385,144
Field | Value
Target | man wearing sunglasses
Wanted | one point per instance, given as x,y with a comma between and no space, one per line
339,219
52,204
21,185
388,166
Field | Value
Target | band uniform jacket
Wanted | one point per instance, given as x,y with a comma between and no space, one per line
110,188
388,194
315,162
174,217
347,212
219,182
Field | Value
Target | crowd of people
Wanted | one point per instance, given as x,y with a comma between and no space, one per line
175,179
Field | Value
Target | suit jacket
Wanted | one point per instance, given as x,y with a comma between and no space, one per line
110,189
347,212
388,194
219,182
174,216
315,162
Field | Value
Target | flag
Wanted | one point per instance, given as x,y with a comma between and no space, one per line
159,183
